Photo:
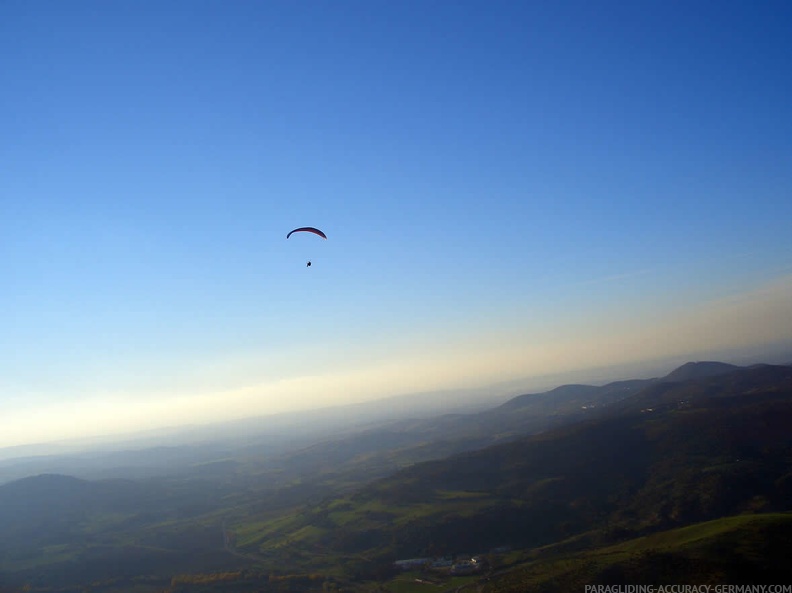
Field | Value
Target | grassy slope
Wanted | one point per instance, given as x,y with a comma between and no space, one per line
746,549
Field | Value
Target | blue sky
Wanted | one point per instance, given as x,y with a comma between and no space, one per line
509,189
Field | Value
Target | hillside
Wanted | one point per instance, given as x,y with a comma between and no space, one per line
593,467
724,452
746,549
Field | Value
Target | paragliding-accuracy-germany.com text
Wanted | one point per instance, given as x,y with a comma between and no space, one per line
688,589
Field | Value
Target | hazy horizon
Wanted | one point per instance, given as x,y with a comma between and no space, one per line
510,191
481,397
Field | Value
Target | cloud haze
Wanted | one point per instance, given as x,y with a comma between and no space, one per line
748,319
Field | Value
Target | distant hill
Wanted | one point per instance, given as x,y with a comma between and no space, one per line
699,370
43,510
60,530
573,397
743,381
410,440
53,494
388,447
380,450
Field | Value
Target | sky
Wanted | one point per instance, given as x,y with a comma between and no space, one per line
509,189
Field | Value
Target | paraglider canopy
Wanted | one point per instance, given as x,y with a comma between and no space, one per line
307,229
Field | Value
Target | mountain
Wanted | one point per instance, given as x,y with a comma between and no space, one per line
743,381
572,397
699,370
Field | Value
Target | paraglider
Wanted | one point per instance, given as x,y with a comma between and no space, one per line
307,229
